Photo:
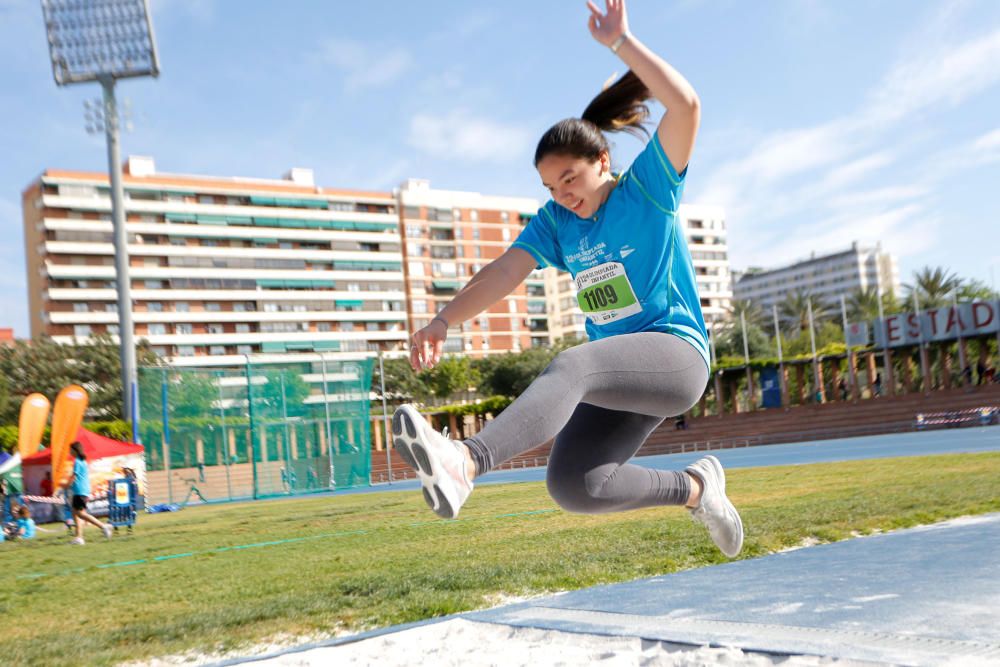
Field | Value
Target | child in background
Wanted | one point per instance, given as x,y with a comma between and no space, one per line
25,525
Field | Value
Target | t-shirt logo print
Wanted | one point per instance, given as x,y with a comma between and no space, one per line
626,251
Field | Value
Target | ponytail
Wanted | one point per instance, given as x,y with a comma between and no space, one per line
618,108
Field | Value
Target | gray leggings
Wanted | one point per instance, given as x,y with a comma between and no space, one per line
601,400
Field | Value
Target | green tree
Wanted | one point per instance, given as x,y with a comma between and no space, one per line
794,311
191,394
510,374
933,286
750,310
975,290
862,304
4,395
401,381
287,386
730,341
827,332
450,376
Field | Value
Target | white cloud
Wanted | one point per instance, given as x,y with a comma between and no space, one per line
365,65
986,148
774,188
946,75
461,135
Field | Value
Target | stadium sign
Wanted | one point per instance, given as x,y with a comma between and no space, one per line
965,320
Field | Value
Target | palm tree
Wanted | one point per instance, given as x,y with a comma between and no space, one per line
862,305
934,286
794,311
975,290
751,311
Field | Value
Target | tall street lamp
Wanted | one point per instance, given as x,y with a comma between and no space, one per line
103,41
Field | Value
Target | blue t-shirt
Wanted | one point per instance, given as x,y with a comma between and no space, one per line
81,479
28,526
630,260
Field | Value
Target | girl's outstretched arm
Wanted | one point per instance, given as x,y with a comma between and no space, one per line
679,126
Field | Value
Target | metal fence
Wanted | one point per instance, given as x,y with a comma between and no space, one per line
259,431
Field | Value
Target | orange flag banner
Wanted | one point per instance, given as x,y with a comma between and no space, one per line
31,424
67,416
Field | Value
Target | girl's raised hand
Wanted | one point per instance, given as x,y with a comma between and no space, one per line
609,26
426,346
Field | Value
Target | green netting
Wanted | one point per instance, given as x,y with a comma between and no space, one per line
259,431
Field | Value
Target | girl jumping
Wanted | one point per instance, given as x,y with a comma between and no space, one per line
647,359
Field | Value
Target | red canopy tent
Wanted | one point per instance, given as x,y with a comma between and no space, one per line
94,446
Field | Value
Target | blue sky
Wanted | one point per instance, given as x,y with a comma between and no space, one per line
823,121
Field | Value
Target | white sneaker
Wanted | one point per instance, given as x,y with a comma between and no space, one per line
108,530
439,462
77,540
714,509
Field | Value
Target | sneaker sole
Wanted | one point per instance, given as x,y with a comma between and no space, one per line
407,443
730,508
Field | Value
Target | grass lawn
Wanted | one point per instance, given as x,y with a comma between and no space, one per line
222,577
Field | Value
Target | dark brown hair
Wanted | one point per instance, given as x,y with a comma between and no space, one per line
23,512
618,108
77,450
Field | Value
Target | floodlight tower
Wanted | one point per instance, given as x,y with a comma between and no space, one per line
103,41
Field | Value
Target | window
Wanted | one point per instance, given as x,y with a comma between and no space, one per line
506,233
183,329
185,350
112,329
324,327
213,307
242,328
182,307
154,307
111,308
80,308
244,349
156,329
505,216
213,328
217,350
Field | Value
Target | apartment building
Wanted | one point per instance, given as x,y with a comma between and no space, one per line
219,267
448,236
826,277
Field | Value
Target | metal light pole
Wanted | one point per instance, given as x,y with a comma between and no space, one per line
385,418
922,349
886,355
812,342
103,41
850,352
781,361
746,361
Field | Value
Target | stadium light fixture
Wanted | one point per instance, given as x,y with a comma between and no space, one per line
103,41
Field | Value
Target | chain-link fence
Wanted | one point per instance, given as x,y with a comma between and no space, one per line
259,431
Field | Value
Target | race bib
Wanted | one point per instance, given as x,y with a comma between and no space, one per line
605,294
